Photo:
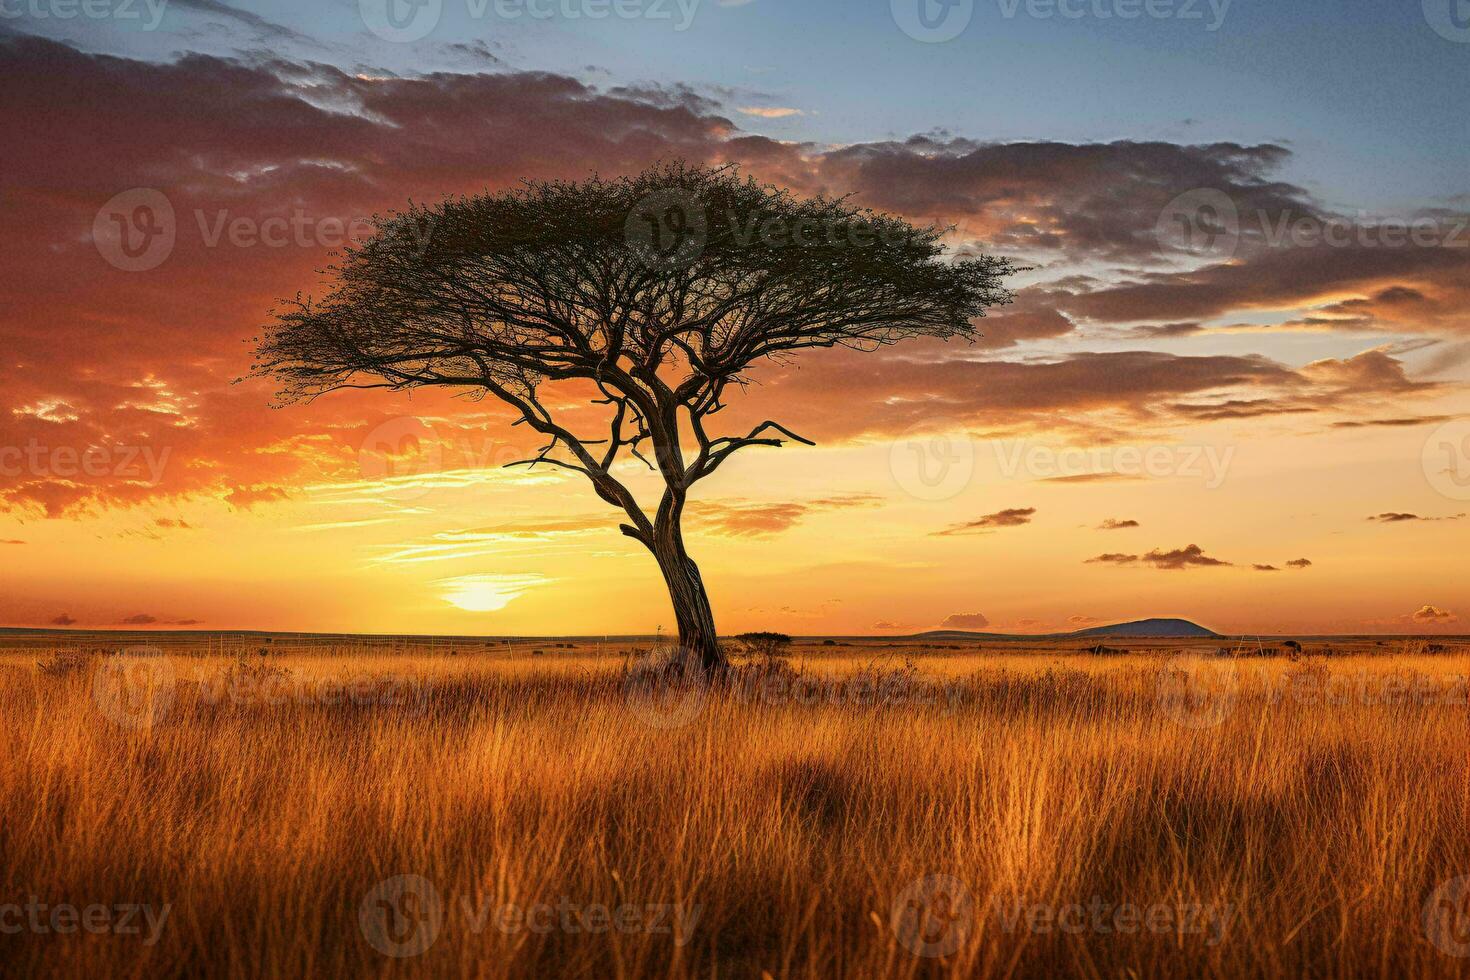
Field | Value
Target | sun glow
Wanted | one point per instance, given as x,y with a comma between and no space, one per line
488,593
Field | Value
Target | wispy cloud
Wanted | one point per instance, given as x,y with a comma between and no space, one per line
771,112
1010,517
743,518
1190,556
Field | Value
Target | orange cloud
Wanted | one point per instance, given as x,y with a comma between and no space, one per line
1433,614
1010,517
739,518
1179,558
136,363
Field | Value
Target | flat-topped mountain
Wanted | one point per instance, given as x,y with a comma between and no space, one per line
1162,628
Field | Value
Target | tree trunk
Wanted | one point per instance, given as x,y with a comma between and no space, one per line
692,611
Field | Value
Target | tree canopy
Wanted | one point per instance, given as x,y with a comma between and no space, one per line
660,289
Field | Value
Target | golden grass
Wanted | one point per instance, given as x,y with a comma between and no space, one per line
1302,822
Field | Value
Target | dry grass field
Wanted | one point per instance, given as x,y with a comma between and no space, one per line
872,810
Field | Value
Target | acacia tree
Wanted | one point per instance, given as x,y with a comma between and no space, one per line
657,292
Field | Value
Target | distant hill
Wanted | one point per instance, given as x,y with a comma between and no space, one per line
1149,627
1162,628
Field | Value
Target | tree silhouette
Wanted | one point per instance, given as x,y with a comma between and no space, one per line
655,292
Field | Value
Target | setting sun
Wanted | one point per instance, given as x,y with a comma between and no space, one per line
487,593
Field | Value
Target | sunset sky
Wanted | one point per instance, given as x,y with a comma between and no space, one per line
1263,426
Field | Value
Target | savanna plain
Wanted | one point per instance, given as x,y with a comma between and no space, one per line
837,808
